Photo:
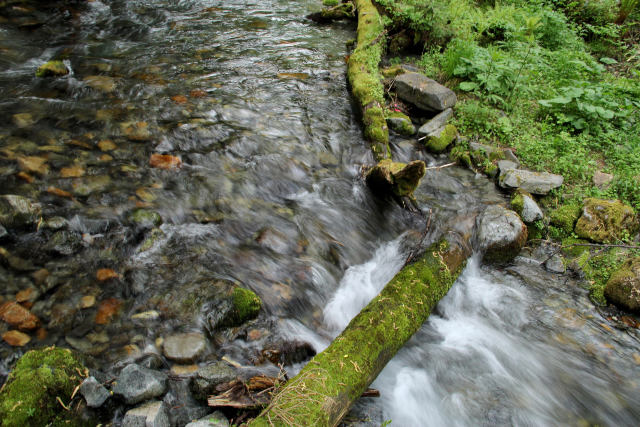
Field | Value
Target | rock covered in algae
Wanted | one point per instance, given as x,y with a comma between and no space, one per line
41,377
605,220
623,287
400,123
438,140
52,69
401,179
242,305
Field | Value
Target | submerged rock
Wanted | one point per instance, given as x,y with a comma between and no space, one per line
18,316
145,219
102,83
94,393
424,92
605,220
184,407
555,264
205,380
533,182
52,69
16,338
397,178
184,348
64,243
151,414
136,384
217,419
18,211
623,287
39,380
500,234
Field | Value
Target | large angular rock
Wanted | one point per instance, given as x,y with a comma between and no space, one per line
397,178
424,92
18,211
500,234
217,419
184,407
605,220
204,382
137,384
525,205
184,348
151,414
533,182
623,288
437,122
438,140
93,392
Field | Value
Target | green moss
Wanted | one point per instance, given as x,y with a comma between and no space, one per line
246,304
623,287
438,144
330,3
606,221
29,397
564,217
52,68
339,375
153,237
400,122
491,170
145,218
517,202
364,76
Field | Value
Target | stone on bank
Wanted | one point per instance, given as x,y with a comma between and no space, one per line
500,234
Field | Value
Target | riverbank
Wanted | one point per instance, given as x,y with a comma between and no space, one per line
553,88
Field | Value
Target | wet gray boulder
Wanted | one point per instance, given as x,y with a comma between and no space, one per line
18,211
205,380
94,393
424,92
184,348
151,414
3,232
137,384
217,419
500,234
437,122
184,408
533,182
505,165
555,264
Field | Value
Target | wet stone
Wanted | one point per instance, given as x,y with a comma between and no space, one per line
3,232
184,348
151,414
217,419
136,384
145,219
136,131
16,338
64,243
437,122
102,83
23,120
555,264
94,393
18,211
184,408
533,182
91,184
501,234
33,164
18,316
204,382
54,223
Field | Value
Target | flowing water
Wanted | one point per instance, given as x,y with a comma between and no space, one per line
252,99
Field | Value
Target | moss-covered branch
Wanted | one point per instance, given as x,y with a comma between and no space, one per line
365,80
322,393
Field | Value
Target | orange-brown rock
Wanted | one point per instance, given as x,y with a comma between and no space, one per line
105,274
26,295
16,338
75,171
179,99
59,192
25,177
107,310
197,93
165,161
18,316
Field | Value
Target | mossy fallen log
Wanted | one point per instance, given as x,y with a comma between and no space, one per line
364,77
322,393
336,12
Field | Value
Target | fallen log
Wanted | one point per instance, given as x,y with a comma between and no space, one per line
344,10
364,77
322,393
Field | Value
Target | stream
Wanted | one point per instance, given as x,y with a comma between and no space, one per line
252,99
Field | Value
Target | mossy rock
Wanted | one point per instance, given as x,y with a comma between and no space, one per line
606,221
564,217
52,69
246,304
439,142
145,218
623,287
400,123
30,396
